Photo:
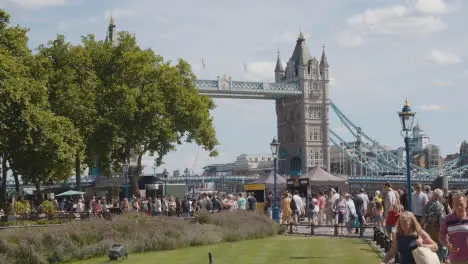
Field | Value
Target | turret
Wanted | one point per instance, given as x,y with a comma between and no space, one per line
279,70
300,58
111,33
324,65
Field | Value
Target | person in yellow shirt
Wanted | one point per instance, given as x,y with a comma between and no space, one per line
379,209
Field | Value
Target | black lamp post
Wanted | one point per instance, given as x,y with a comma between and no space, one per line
165,174
407,118
274,145
125,168
187,174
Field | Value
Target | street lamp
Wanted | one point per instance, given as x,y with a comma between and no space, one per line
165,174
187,174
274,145
125,168
407,118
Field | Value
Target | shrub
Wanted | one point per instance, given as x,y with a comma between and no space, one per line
48,207
137,232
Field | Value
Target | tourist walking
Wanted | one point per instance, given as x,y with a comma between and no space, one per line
420,200
286,209
341,210
453,231
408,236
322,205
351,215
434,214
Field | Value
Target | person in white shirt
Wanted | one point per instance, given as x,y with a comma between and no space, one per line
420,200
299,208
364,198
156,207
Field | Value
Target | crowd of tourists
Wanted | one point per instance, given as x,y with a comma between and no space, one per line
437,222
165,205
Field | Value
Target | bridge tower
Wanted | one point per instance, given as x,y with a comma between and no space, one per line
303,122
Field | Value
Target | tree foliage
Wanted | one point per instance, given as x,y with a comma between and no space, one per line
33,140
71,104
72,85
154,105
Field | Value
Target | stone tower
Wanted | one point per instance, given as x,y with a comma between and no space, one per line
303,122
111,31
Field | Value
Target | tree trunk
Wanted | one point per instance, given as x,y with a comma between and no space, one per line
38,186
17,184
3,194
135,176
78,170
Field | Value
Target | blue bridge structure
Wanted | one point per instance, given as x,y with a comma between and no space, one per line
303,108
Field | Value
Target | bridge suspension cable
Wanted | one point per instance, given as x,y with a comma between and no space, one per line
372,156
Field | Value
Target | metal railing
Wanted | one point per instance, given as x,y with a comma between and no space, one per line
317,230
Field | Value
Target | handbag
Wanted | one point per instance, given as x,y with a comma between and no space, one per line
423,255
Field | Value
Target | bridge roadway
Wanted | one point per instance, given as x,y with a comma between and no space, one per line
242,179
351,179
224,87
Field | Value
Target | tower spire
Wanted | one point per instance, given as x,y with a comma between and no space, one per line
111,34
279,64
324,60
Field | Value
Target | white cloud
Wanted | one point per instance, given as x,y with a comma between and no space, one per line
443,84
260,71
431,107
119,13
431,6
34,4
392,20
444,58
62,26
288,37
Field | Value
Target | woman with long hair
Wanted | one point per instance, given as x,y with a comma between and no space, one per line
408,236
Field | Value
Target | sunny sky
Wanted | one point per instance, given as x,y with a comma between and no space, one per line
380,52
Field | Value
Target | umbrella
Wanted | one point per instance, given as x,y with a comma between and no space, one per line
71,193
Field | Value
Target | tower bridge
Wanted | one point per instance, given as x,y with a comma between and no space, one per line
303,107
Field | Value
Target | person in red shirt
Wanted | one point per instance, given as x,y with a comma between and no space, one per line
392,217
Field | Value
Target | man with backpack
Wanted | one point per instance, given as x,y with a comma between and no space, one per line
186,207
251,203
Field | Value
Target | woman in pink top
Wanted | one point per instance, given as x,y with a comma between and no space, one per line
454,231
322,202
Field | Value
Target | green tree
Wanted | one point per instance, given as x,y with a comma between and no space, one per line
49,155
20,89
72,87
146,104
34,142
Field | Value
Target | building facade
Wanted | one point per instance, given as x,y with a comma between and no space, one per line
419,140
245,165
303,122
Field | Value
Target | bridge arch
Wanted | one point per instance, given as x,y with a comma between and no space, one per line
295,166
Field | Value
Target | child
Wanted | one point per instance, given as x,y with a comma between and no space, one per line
378,211
392,218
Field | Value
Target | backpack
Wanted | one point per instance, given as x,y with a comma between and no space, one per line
293,204
209,205
186,205
311,206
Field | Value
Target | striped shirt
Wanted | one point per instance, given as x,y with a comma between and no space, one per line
455,231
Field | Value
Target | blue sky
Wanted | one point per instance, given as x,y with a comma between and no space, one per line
380,52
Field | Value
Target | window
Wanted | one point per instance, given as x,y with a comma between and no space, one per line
314,86
316,135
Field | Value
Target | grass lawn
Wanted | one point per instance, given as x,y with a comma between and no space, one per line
278,250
